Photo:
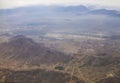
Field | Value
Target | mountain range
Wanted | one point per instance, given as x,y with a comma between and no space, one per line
79,10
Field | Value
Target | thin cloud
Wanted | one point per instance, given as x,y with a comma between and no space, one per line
18,3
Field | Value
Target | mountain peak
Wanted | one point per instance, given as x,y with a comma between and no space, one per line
21,40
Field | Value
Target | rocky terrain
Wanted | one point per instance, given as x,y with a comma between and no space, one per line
35,76
20,50
21,55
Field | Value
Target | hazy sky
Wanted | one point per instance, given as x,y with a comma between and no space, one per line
17,3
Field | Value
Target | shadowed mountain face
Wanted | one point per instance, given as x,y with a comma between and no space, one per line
110,80
36,76
25,50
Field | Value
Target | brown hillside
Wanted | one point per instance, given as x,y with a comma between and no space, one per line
26,51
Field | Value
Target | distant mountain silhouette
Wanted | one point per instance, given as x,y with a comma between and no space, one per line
80,8
59,9
105,12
